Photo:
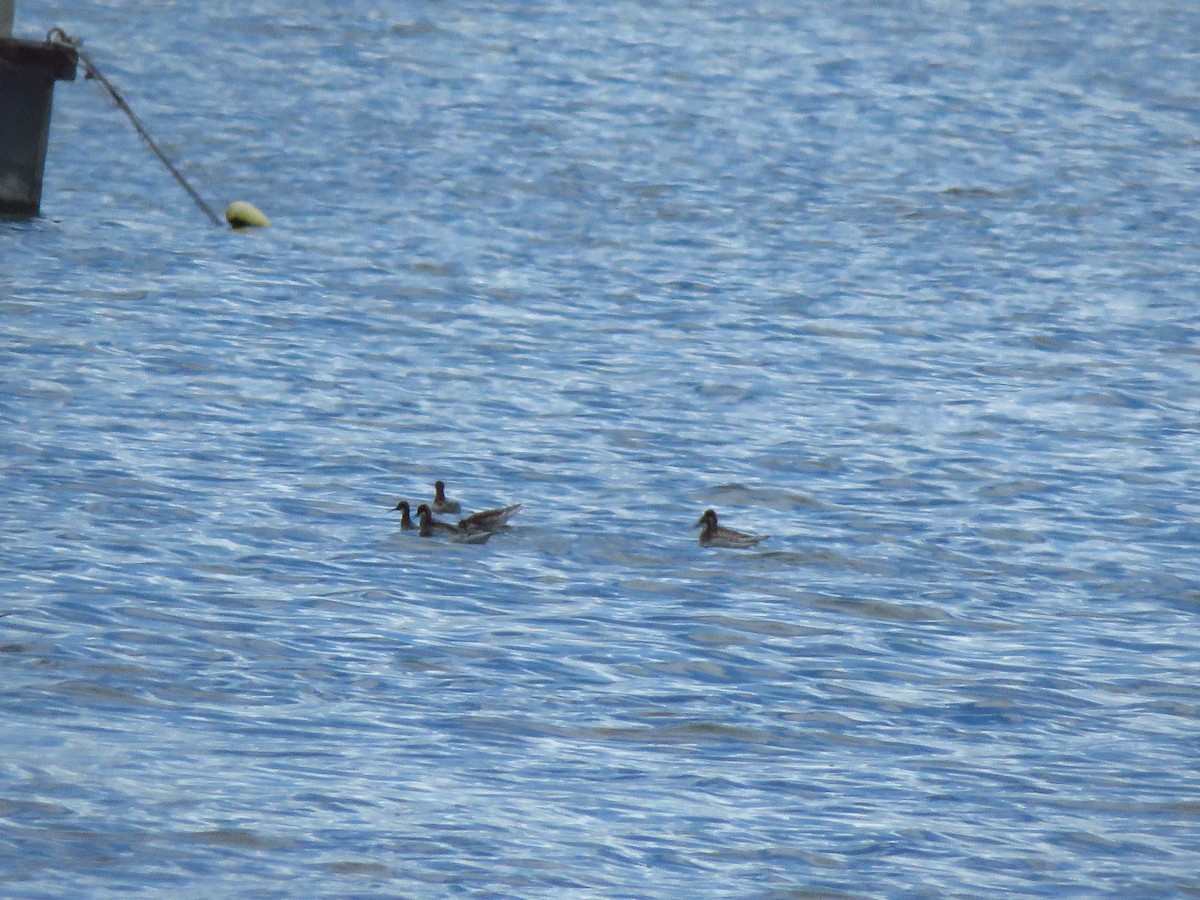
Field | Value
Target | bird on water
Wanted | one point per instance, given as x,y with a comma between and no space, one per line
460,535
428,524
406,522
440,503
714,535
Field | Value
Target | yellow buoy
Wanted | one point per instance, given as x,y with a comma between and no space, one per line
241,214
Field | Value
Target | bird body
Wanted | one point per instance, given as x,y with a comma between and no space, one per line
488,519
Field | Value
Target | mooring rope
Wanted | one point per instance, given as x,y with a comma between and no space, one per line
58,36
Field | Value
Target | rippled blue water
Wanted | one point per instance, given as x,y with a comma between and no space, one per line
911,287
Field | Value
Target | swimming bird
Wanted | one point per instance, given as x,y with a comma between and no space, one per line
429,524
715,535
440,503
488,519
406,522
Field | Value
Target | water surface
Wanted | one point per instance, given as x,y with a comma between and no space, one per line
910,288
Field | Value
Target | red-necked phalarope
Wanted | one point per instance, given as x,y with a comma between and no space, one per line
440,503
406,522
715,535
428,524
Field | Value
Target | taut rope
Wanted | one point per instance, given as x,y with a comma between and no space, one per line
91,70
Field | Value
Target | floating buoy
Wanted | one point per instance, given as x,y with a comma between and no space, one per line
241,214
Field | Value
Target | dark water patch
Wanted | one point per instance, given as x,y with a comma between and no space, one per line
367,871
